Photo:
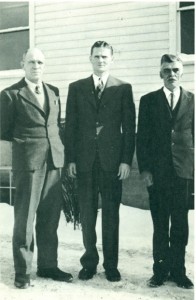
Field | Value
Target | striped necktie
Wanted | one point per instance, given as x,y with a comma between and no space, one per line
100,88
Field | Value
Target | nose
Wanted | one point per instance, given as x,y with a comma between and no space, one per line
36,65
100,58
172,72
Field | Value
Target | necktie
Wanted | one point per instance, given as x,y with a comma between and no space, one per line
172,101
38,89
100,88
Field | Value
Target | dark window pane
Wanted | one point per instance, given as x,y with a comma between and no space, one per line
12,47
4,178
184,4
14,14
187,31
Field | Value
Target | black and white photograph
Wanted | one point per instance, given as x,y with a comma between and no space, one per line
97,149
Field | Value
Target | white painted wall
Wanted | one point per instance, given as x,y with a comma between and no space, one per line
140,33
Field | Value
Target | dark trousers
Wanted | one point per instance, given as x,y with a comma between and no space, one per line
110,188
169,210
38,192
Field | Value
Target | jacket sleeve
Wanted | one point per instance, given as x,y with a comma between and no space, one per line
71,125
193,123
6,116
143,140
59,104
128,126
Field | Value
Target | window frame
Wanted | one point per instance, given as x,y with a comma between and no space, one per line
187,58
19,72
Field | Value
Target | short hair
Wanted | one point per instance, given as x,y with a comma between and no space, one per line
100,44
169,58
29,49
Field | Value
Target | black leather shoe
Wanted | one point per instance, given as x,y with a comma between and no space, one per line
183,282
156,281
22,281
113,275
55,274
86,274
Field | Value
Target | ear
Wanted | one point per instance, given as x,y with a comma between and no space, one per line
22,64
90,58
161,75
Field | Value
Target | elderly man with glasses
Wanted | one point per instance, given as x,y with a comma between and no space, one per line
166,158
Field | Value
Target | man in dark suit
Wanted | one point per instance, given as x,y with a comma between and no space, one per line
165,157
30,119
100,141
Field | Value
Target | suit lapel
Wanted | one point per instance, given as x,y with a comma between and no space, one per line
49,97
184,104
109,90
164,116
88,91
164,109
28,95
53,102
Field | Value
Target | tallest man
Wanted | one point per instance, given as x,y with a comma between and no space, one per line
100,141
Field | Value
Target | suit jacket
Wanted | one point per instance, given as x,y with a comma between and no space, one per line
110,130
33,132
163,146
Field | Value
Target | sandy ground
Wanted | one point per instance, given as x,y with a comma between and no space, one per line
135,263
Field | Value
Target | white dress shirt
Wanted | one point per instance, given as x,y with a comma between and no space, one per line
40,97
104,79
176,95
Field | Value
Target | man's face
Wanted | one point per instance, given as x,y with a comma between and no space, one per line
33,65
101,60
171,74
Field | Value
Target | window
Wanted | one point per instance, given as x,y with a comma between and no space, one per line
14,33
7,188
186,12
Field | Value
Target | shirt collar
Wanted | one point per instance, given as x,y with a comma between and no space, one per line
32,85
104,79
176,92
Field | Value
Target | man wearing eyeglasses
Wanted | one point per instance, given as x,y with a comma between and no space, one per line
166,158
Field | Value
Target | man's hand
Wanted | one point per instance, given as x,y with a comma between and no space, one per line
147,178
124,171
72,170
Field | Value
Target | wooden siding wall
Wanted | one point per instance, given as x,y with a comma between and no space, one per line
138,32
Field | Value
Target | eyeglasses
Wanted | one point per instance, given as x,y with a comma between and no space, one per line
168,71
